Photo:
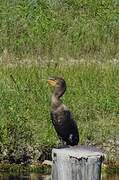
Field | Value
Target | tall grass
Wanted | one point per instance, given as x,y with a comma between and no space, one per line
92,96
53,29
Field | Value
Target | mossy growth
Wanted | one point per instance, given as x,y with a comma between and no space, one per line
21,168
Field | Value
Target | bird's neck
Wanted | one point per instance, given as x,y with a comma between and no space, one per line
56,102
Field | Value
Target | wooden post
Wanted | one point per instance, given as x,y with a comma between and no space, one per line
76,163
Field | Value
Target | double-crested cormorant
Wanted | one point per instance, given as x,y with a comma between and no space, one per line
62,119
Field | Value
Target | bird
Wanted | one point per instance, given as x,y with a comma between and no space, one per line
62,119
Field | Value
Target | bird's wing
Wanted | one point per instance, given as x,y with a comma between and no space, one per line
64,124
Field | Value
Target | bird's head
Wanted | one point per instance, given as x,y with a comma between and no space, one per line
59,84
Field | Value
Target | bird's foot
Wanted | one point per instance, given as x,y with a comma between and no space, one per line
62,144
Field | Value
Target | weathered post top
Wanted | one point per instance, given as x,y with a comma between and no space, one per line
76,163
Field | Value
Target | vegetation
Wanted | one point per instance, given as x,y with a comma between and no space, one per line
92,96
57,30
53,29
16,169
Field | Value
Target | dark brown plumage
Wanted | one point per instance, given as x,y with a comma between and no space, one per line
62,119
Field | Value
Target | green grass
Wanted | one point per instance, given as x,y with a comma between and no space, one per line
92,96
53,29
41,31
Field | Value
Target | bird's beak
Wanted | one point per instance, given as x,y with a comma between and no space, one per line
52,82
